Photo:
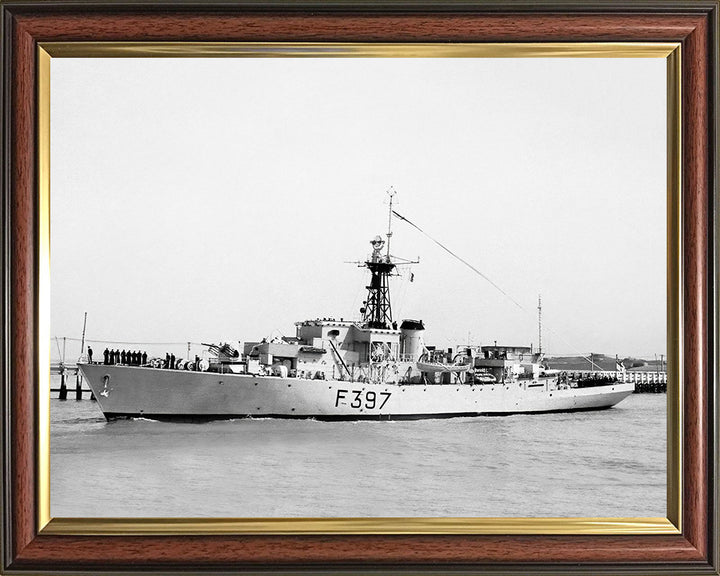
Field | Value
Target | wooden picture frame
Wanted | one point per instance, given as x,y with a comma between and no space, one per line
30,545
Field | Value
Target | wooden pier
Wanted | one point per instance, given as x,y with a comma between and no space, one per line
68,371
645,382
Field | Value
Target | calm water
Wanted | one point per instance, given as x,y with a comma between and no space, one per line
607,463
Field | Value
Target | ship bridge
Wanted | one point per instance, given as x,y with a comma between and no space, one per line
352,341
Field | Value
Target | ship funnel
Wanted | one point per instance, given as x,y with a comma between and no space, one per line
411,341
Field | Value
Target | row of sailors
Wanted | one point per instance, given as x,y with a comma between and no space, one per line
131,358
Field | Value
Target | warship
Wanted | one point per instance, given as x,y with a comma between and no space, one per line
363,369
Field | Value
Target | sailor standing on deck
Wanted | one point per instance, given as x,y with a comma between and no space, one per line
89,355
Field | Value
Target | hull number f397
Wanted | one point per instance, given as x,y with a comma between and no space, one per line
362,399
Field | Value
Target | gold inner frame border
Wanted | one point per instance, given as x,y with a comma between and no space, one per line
353,526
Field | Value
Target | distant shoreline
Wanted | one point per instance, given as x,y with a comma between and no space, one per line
605,363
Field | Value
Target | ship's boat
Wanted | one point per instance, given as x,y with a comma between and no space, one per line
368,368
484,378
432,367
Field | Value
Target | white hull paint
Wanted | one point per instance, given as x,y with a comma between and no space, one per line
123,391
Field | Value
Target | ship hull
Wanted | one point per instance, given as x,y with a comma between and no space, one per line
129,391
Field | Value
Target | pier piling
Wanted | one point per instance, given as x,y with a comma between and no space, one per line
63,385
78,386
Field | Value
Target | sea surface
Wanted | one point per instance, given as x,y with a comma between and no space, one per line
606,463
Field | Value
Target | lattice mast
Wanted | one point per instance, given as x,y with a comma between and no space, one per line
377,310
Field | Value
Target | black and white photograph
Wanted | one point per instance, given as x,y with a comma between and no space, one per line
313,287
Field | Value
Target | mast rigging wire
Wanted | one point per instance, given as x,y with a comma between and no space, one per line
95,341
493,284
460,259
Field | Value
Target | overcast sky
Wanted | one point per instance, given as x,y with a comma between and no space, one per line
220,199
